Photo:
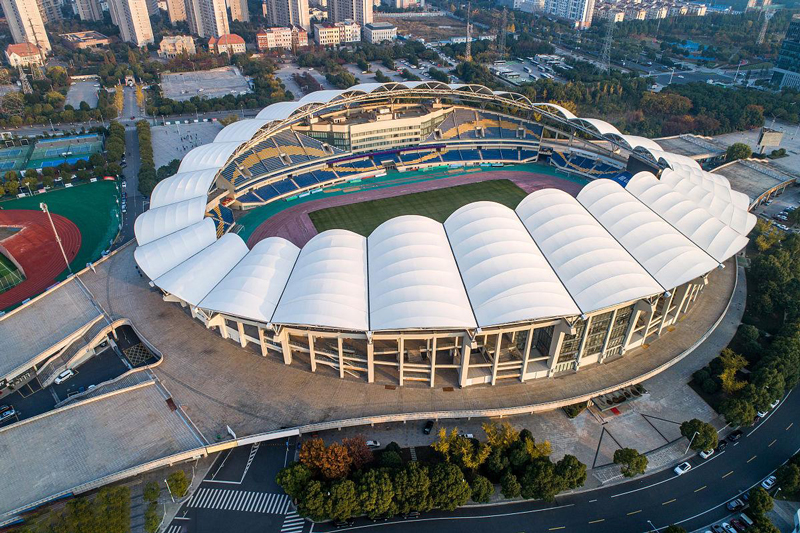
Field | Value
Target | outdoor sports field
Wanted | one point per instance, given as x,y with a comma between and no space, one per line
10,275
364,217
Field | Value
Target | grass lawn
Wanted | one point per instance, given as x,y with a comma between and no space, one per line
91,206
364,217
10,276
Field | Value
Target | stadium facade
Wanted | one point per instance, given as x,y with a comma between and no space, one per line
557,284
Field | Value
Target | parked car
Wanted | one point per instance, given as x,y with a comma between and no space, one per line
7,414
722,445
761,414
735,505
738,525
706,454
428,427
769,482
412,514
774,404
682,468
728,528
466,435
736,435
373,444
64,376
717,528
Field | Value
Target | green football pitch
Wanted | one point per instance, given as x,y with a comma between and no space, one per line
364,217
10,276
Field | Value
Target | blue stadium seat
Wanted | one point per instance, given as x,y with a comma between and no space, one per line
250,198
491,154
284,186
305,180
267,192
509,154
470,155
382,159
527,154
451,156
324,175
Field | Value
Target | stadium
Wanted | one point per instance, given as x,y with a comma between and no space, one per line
567,278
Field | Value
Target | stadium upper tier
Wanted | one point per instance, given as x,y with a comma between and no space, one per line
487,265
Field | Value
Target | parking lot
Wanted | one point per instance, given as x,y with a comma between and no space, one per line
175,140
214,83
83,91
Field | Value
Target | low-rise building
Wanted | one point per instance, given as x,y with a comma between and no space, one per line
230,44
24,54
289,38
175,45
336,33
378,32
81,40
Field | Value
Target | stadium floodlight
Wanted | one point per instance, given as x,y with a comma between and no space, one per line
43,207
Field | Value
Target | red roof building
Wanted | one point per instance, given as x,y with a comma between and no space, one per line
230,44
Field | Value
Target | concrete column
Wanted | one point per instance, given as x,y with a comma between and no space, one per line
370,362
665,314
527,354
433,361
401,356
582,345
639,307
285,348
341,356
561,329
496,358
650,313
312,353
608,336
682,294
466,350
262,340
223,330
242,340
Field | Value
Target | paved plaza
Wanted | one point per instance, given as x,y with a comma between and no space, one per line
83,91
214,83
175,140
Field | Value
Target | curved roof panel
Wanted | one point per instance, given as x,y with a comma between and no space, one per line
635,141
663,251
560,110
156,223
414,282
212,155
193,279
322,97
279,110
600,126
254,286
162,255
328,285
596,270
506,276
701,227
182,186
241,130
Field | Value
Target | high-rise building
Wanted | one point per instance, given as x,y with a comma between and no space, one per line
25,22
239,10
359,11
787,69
50,10
176,11
336,33
207,18
579,12
287,13
133,20
89,10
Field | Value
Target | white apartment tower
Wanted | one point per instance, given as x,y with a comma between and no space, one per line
239,10
207,18
288,13
359,11
578,11
176,10
133,20
89,10
26,24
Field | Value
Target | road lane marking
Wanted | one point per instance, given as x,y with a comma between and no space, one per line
592,501
751,458
790,425
597,521
701,488
557,528
635,512
771,443
728,474
670,501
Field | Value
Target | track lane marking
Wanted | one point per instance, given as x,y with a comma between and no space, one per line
701,488
670,501
728,474
597,521
771,443
790,425
634,512
751,458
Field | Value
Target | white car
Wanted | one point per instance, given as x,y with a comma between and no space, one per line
7,414
466,435
728,528
706,454
373,444
774,404
64,376
761,414
682,468
769,482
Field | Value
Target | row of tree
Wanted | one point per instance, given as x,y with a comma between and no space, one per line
148,178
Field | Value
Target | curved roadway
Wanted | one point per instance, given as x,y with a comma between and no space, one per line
692,500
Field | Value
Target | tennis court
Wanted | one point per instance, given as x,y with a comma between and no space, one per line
53,152
10,276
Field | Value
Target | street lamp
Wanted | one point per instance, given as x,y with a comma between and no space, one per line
43,207
690,442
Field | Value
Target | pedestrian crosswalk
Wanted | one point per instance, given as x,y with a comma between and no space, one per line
174,529
240,500
293,523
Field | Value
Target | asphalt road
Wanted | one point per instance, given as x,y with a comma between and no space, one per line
692,500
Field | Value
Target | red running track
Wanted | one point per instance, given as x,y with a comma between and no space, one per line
35,249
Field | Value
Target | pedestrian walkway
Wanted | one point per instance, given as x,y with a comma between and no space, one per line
293,523
413,451
240,500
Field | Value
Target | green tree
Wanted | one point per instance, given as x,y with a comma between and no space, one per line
732,363
509,486
760,501
738,411
448,487
761,524
789,477
482,489
376,493
12,188
178,483
702,434
314,504
151,518
412,486
344,500
631,461
152,490
294,479
572,471
391,459
541,481
673,529
738,151
500,436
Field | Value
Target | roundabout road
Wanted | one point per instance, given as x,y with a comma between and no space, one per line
692,500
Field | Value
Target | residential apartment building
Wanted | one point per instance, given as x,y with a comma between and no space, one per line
24,54
229,43
358,11
287,38
287,13
579,12
89,10
403,4
378,32
787,69
608,13
175,45
176,11
207,18
239,10
336,33
50,10
133,20
25,23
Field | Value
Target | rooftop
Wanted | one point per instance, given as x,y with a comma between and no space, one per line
380,25
228,38
753,178
80,36
693,146
23,49
118,431
32,330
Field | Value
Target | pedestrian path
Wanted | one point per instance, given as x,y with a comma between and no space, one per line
293,523
413,453
240,500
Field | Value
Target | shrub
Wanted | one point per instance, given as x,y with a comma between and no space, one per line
482,489
152,491
178,484
151,518
711,386
575,409
700,376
